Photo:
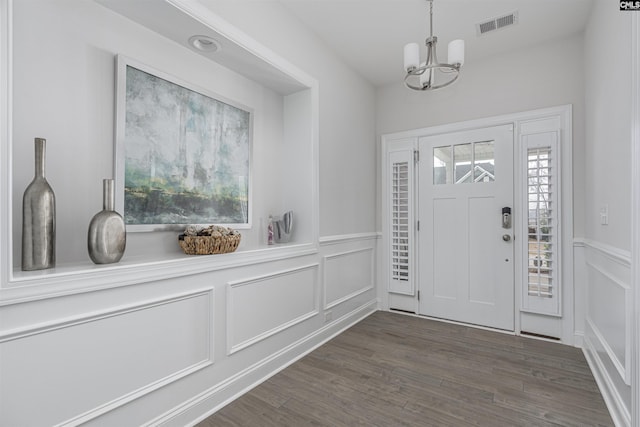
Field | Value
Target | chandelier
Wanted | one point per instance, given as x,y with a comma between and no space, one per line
430,74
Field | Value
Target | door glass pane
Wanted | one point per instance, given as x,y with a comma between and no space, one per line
442,165
484,162
462,161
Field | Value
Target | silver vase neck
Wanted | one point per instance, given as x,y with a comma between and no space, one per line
40,146
108,195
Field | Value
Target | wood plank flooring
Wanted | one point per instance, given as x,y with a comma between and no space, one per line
397,370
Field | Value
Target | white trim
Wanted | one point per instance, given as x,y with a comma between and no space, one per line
6,136
563,115
328,305
613,264
344,238
611,277
623,371
579,242
61,323
126,398
609,392
635,218
578,339
505,119
391,145
233,348
208,398
620,256
204,14
64,281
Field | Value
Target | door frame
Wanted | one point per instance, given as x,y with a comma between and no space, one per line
567,326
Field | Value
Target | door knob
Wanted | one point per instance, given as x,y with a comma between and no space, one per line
506,237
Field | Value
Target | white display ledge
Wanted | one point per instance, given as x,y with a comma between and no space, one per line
69,279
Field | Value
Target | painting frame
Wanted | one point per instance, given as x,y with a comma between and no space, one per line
190,193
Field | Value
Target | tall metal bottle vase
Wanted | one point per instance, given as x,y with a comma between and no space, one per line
39,218
107,236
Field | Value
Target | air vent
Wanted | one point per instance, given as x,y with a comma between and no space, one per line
497,23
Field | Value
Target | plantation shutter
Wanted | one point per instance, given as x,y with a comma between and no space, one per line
401,174
542,212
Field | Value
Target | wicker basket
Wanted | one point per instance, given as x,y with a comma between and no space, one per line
208,245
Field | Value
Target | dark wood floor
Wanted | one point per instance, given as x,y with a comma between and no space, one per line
397,370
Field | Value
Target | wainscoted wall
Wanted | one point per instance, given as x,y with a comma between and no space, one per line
607,334
255,297
171,351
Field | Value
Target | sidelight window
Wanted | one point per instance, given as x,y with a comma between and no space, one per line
542,223
401,221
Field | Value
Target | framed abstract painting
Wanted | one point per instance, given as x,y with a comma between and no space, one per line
183,154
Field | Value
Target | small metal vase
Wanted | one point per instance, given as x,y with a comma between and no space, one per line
107,236
283,228
39,218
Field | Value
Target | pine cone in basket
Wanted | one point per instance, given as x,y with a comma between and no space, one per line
213,239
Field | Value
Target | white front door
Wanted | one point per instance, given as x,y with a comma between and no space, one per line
465,252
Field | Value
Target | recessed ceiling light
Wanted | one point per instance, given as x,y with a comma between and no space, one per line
204,44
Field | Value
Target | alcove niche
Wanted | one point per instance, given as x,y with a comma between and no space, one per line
61,80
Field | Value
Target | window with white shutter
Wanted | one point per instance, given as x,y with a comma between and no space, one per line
401,221
542,213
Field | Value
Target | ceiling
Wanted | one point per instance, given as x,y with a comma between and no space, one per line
369,35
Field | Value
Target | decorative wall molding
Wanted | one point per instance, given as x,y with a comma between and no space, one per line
219,395
327,261
608,321
619,365
263,326
611,267
46,327
617,408
64,281
344,238
9,337
621,256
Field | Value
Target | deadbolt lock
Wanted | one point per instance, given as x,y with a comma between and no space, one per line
506,237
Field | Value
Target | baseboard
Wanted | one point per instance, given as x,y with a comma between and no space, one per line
617,409
578,339
210,401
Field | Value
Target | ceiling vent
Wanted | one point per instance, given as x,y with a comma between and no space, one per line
497,23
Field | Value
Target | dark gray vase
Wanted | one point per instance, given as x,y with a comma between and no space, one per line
39,218
107,236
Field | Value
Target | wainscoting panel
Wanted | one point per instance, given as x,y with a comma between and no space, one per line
251,316
73,370
607,336
347,274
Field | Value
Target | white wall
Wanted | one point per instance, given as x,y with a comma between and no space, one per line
168,340
347,103
64,91
608,181
543,76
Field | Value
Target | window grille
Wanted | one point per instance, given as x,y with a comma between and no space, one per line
541,223
541,233
400,226
401,167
